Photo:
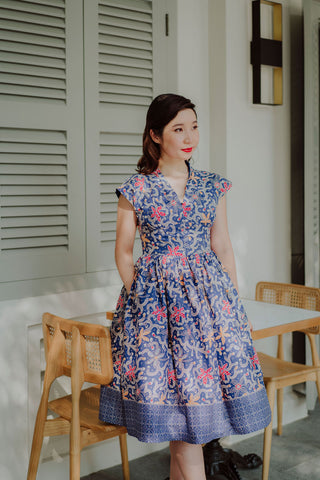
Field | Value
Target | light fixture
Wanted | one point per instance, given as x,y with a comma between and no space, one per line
266,52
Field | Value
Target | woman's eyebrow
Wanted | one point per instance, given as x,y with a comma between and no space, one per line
181,124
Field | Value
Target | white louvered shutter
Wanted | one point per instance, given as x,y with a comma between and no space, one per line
125,63
41,133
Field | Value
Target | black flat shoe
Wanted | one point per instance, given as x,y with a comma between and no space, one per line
249,461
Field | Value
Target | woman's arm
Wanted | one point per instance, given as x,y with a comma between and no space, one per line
126,230
221,243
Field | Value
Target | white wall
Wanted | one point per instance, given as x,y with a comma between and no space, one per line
256,144
193,68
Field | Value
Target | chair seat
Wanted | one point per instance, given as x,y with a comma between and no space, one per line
275,369
89,406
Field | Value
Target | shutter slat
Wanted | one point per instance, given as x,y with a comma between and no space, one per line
109,69
35,190
121,160
108,29
32,7
117,169
28,49
32,39
108,236
119,138
24,243
32,136
21,16
120,150
12,25
126,80
110,207
33,180
126,52
133,5
114,179
108,217
130,25
21,200
10,169
125,89
115,64
14,57
33,159
35,82
29,232
32,148
33,211
55,3
15,68
130,43
118,12
33,221
124,99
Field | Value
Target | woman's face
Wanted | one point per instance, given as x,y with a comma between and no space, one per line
179,137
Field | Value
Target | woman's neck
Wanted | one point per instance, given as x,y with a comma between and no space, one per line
173,168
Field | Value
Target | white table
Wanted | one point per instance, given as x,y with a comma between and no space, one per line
268,319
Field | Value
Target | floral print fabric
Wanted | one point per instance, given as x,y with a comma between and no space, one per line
184,364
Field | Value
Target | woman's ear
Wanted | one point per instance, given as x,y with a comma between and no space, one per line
155,137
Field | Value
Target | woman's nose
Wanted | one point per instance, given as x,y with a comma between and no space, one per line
187,138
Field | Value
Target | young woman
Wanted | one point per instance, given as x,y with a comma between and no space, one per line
185,370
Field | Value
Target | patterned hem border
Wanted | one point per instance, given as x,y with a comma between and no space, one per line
196,424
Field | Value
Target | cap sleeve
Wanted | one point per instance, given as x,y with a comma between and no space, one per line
127,189
221,186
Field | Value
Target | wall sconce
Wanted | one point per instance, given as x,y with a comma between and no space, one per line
266,53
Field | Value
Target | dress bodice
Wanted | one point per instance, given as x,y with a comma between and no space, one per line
167,225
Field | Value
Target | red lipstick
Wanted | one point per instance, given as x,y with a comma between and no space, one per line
187,150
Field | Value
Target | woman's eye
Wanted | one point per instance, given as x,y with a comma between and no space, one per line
195,127
178,130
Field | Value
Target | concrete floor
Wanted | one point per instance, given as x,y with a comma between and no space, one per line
294,456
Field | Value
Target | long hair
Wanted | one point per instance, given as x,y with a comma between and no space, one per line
162,110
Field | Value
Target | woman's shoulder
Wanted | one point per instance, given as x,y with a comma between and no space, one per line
212,182
134,186
209,177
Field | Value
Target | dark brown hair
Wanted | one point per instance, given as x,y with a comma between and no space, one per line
162,110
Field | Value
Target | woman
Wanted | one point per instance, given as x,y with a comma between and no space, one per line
185,369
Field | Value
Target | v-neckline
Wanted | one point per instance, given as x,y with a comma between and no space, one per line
170,187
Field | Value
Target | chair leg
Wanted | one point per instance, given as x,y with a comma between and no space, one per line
318,385
75,448
124,456
315,358
314,351
268,433
38,436
77,378
279,410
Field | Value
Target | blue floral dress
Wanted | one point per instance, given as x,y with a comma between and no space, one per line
184,364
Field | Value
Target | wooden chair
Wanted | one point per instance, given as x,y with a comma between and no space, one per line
81,351
277,372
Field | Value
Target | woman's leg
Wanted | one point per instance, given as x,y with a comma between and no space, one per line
186,461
